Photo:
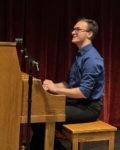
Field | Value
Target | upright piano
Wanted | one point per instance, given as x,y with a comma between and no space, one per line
46,107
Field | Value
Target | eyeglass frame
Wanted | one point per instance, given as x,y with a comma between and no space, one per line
77,29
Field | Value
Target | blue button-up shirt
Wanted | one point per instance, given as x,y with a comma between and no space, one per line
87,72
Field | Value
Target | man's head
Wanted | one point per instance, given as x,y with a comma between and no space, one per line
84,31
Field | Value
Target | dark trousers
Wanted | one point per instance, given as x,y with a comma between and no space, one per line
83,111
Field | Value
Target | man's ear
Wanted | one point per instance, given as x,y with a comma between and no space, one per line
90,34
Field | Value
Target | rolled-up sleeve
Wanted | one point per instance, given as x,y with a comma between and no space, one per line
91,72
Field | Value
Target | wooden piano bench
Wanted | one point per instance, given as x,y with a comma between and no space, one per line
86,132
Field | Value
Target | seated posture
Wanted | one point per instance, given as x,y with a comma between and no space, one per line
84,87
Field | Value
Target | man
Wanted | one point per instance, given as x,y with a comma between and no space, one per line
84,88
86,79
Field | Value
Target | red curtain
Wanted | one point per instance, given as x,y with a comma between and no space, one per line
46,28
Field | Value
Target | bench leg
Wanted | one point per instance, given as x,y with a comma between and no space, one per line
111,141
111,144
74,144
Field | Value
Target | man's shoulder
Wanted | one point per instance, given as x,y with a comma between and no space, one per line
93,53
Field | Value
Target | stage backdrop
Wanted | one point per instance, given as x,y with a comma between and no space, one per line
46,28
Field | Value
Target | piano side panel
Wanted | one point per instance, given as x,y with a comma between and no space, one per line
10,97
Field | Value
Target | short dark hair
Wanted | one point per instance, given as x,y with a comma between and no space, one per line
92,25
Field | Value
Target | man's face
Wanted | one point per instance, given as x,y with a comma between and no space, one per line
80,33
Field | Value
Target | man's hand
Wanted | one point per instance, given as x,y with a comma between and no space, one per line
49,85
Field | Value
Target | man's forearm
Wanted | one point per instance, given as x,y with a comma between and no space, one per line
72,92
61,85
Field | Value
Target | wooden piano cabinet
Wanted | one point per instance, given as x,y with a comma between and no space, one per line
46,107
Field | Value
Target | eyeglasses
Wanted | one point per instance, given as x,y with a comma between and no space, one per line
77,29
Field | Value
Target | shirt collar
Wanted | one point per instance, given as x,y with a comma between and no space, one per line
84,49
